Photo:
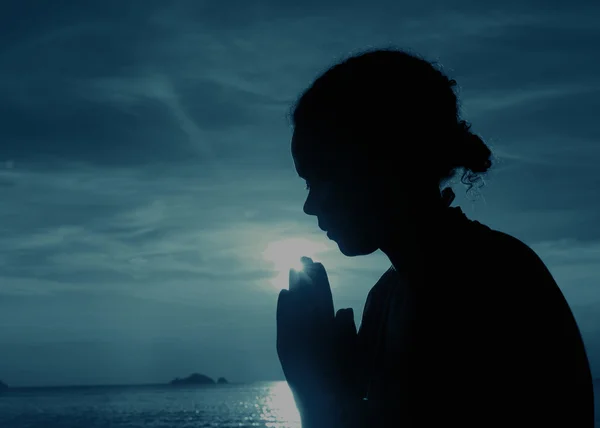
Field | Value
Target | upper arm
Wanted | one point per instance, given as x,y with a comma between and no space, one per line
535,339
526,311
513,351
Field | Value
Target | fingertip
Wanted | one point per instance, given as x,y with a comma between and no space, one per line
282,311
345,314
306,260
319,269
345,323
305,277
293,276
282,298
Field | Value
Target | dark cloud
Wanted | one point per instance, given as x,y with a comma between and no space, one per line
92,133
88,86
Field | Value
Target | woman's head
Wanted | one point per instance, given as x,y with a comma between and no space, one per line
374,137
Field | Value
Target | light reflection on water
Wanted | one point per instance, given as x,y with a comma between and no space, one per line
268,404
254,405
281,408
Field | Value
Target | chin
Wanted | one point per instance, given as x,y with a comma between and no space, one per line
351,248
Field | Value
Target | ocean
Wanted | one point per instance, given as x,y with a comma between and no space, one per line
249,405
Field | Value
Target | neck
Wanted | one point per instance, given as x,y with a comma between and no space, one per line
412,249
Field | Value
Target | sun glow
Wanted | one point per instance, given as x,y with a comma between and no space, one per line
286,254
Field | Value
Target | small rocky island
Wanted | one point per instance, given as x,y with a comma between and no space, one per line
198,379
193,379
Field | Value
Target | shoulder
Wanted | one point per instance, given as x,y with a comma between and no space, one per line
502,254
485,270
495,251
506,274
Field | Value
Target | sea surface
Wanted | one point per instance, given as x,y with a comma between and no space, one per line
249,405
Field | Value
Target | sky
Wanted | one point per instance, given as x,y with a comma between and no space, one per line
145,168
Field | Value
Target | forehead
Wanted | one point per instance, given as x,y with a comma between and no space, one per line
327,155
305,140
313,152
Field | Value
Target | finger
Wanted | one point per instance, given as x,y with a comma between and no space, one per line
282,301
303,303
300,280
306,261
302,284
294,280
305,281
344,318
344,321
285,323
302,315
347,350
291,311
322,289
283,311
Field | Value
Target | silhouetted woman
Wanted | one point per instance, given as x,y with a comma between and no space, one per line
467,328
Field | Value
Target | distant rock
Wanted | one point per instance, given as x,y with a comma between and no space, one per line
3,385
193,379
222,381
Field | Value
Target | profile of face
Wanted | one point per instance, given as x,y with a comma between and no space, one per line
349,204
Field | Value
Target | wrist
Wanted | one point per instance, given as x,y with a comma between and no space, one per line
318,410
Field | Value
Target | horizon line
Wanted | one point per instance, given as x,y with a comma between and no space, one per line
129,385
133,385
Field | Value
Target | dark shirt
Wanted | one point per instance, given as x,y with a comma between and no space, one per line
485,339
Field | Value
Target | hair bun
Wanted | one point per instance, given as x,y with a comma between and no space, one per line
475,153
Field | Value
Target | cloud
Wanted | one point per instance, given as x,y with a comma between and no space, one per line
131,230
94,90
575,267
145,156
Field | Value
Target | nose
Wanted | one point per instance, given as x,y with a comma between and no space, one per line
310,208
310,205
